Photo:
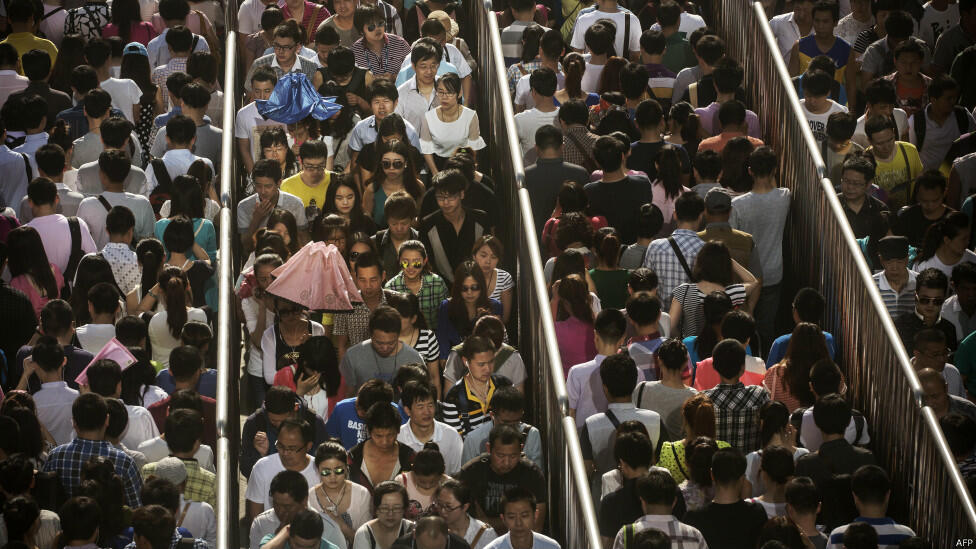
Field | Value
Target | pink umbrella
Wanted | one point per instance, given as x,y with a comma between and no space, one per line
316,277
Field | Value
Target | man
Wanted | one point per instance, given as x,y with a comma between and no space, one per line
934,128
678,54
294,443
507,407
174,14
897,163
262,81
826,378
663,254
116,134
585,400
736,405
452,59
17,481
872,489
34,119
353,328
89,414
620,503
202,68
694,84
465,405
542,86
501,469
54,399
790,27
430,533
312,182
598,40
742,247
817,104
618,195
167,490
260,433
862,209
105,378
644,316
154,527
881,98
383,100
520,510
179,43
658,494
195,100
400,211
931,288
23,24
626,42
15,168
931,352
762,213
183,425
823,41
955,39
188,398
103,308
960,309
545,178
50,160
347,422
10,79
930,208
305,531
381,354
120,225
420,403
57,231
417,95
56,320
727,520
732,122
188,372
181,135
578,140
511,36
378,51
661,79
98,113
80,517
878,58
125,92
839,144
808,306
184,443
935,394
289,498
114,167
802,506
667,395
253,211
450,232
551,48
18,325
896,281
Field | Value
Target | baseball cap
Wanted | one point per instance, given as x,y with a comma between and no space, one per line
893,247
718,200
135,48
171,469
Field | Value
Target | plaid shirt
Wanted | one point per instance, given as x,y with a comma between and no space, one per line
737,408
354,325
432,292
175,540
161,73
200,483
388,61
660,257
572,153
682,536
518,70
68,459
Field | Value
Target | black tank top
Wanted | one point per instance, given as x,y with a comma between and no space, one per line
285,354
356,85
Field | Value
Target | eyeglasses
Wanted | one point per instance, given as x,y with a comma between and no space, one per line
414,265
471,288
396,164
930,300
444,197
283,47
373,26
445,93
338,471
853,182
314,167
447,508
288,449
396,509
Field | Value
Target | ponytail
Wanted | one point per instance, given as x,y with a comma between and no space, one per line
573,68
531,41
691,130
949,227
608,247
669,171
174,283
59,136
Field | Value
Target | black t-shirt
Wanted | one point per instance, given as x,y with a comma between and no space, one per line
476,197
622,507
643,155
199,274
729,525
913,223
620,202
487,487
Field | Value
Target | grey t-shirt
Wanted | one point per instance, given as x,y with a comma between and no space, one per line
667,402
633,256
89,146
361,363
764,216
286,201
90,182
346,37
206,146
877,58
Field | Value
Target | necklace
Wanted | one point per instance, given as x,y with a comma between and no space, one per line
481,395
450,117
334,507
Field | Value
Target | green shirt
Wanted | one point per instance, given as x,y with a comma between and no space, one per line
678,54
432,292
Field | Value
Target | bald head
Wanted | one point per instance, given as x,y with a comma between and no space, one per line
935,393
431,533
928,376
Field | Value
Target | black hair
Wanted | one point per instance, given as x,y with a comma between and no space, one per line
832,414
89,411
870,484
728,465
543,81
307,524
291,483
619,375
643,309
728,358
657,488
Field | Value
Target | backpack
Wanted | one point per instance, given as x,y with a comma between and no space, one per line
164,186
74,228
796,419
919,123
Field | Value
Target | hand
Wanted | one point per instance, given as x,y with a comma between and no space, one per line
261,210
307,384
29,365
261,443
352,99
83,388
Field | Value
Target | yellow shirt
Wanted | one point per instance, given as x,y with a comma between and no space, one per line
25,42
896,177
294,185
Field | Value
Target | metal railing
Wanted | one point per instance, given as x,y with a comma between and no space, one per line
820,251
572,519
228,327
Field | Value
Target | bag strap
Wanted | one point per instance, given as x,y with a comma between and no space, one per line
311,27
52,12
640,393
693,94
183,514
104,203
74,227
613,419
481,532
627,36
677,461
27,167
858,426
463,408
629,535
919,125
162,175
681,256
908,166
588,162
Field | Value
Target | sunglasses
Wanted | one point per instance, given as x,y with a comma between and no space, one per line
396,164
353,256
373,26
472,288
415,264
338,471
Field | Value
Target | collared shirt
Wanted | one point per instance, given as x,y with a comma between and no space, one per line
68,459
585,390
867,218
13,173
449,247
177,162
539,541
125,265
413,104
388,61
660,257
29,147
201,485
897,303
159,52
162,72
682,536
53,403
518,70
453,61
737,413
286,201
786,32
964,323
464,411
578,143
432,292
365,132
302,64
447,439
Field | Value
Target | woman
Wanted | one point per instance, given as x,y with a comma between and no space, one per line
789,381
355,80
274,145
529,60
775,430
571,199
60,136
610,77
281,344
391,128
684,127
331,229
610,279
92,269
315,377
668,185
714,307
453,500
88,20
187,200
422,482
416,278
414,332
946,245
389,503
30,270
487,253
359,244
714,270
173,291
342,500
343,198
380,457
151,257
395,171
574,321
469,300
698,489
70,55
139,381
283,222
100,482
135,66
572,261
735,174
22,518
127,24
258,309
178,239
449,126
699,421
573,67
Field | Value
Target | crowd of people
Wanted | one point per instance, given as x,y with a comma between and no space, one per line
401,423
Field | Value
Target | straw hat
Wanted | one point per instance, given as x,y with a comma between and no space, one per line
450,25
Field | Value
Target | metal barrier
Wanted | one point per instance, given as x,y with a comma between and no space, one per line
820,251
228,332
572,519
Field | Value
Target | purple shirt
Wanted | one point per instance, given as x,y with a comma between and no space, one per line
575,339
709,120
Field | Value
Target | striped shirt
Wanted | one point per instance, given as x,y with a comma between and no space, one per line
388,61
464,411
682,536
890,533
426,345
511,39
897,303
692,301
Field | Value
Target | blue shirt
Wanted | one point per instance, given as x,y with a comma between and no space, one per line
77,123
68,459
406,73
778,350
365,132
345,424
206,385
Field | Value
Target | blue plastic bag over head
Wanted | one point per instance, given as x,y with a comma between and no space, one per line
295,99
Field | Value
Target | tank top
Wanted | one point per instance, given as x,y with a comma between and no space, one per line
379,203
356,85
285,354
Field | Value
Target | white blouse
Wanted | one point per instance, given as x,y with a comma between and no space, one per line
443,138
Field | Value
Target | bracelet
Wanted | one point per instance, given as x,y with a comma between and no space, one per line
152,295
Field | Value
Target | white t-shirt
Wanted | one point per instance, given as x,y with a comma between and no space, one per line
94,336
538,542
259,484
688,23
125,93
901,122
246,123
523,91
585,21
590,83
141,427
527,122
162,340
474,526
200,520
935,22
156,449
818,122
935,262
447,439
252,307
753,461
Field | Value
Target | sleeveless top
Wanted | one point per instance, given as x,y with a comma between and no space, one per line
285,354
379,203
356,85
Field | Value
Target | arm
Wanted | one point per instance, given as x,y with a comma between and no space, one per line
434,371
675,313
353,155
254,509
269,361
429,160
794,64
200,253
244,147
29,367
317,80
506,299
467,88
850,81
540,517
954,192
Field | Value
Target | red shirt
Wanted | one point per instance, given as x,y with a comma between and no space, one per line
160,410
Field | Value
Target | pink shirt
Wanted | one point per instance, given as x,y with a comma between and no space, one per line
706,377
717,143
141,32
576,344
56,236
23,283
